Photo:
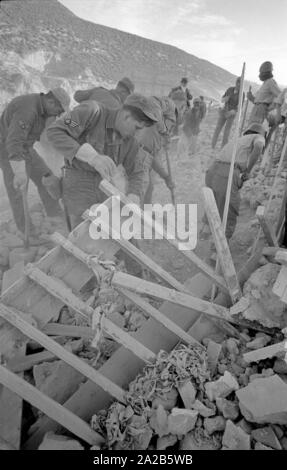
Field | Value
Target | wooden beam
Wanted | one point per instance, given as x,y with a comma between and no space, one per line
221,244
265,353
60,291
141,286
138,255
160,317
20,364
27,329
50,407
111,190
57,329
268,230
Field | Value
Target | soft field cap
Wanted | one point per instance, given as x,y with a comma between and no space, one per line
62,96
144,104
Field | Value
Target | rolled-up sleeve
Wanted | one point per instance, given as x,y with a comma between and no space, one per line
17,139
137,163
65,133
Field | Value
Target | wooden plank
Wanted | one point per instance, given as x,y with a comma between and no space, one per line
268,230
67,297
48,406
141,286
138,255
265,353
221,244
160,317
20,364
110,190
27,329
57,329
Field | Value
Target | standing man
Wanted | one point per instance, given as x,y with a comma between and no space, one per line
227,113
94,140
192,119
21,125
265,96
183,87
249,148
203,107
112,99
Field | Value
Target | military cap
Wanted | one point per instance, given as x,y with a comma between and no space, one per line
127,83
266,67
256,127
62,96
144,104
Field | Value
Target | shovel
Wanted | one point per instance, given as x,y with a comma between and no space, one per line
24,192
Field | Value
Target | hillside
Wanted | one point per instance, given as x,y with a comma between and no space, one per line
43,44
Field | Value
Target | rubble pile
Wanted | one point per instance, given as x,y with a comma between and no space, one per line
179,403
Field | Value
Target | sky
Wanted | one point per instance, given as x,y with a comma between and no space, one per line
225,32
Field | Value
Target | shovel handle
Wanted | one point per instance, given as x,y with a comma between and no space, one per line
26,216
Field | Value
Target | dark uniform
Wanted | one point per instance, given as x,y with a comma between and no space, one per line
21,125
93,123
109,98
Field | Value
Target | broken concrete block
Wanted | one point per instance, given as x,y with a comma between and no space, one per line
222,387
229,409
212,425
213,353
231,345
235,438
280,366
202,409
52,441
267,437
158,421
264,400
166,441
245,426
259,446
181,421
188,393
259,342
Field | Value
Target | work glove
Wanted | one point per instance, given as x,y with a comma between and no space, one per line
101,163
20,175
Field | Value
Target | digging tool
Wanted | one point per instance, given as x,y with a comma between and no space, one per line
244,113
170,175
24,192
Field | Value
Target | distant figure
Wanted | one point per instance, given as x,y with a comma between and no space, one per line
192,119
183,87
249,148
265,96
112,99
227,113
203,107
179,99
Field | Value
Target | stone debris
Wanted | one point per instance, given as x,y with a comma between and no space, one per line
280,366
213,353
166,441
181,421
267,437
260,341
264,400
53,441
212,425
235,438
229,409
222,387
259,446
203,410
188,393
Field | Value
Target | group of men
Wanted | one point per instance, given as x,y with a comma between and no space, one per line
116,128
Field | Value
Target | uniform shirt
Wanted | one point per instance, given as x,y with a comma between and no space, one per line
244,149
108,98
93,123
282,101
192,119
267,92
21,125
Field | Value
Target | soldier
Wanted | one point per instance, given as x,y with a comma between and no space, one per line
153,139
21,125
249,148
227,114
192,119
93,140
183,87
112,99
